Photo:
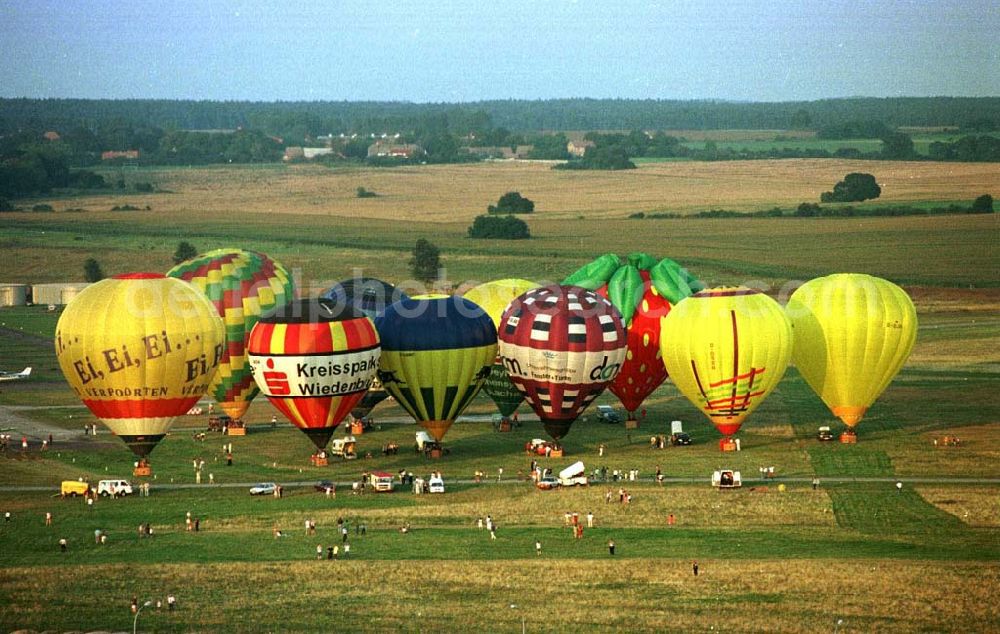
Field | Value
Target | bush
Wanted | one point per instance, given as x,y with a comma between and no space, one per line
364,193
6,205
499,228
807,210
512,203
983,204
144,188
42,207
127,208
855,187
637,216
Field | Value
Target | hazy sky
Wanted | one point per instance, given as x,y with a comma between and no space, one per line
467,50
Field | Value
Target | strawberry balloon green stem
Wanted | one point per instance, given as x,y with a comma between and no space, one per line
625,290
641,261
671,281
596,274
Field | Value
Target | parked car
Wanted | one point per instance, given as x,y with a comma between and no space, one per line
681,439
825,434
323,485
607,414
548,482
264,488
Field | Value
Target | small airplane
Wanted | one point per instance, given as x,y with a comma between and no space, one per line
15,376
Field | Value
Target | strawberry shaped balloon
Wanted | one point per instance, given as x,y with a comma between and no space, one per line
643,290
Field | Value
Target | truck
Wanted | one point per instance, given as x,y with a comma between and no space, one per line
345,447
73,488
575,474
114,488
380,481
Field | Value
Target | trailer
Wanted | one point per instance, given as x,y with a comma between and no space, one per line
727,479
573,475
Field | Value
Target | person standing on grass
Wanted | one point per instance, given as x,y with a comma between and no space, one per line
694,567
48,518
347,549
319,551
590,519
538,548
493,532
611,547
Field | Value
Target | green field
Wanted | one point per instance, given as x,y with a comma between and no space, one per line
774,556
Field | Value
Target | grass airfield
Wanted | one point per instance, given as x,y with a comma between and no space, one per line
855,551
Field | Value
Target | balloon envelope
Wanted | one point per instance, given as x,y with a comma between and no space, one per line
139,350
241,285
726,349
367,294
852,335
494,297
562,345
436,353
314,360
643,370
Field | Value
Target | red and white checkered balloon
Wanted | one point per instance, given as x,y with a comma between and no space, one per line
561,345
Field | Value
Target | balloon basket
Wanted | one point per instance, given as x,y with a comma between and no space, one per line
727,444
556,453
142,472
849,437
236,428
435,453
357,428
631,423
319,461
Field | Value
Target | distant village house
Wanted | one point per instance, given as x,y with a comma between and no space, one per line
578,148
127,155
391,149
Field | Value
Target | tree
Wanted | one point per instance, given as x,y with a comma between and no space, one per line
425,261
512,203
855,187
983,204
897,145
185,251
92,270
499,227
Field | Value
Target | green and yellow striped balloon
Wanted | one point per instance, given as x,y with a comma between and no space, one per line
241,285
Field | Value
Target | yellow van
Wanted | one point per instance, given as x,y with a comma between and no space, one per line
74,488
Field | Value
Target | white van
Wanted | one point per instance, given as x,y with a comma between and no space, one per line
114,488
435,485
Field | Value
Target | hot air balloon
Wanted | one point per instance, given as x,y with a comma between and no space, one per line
314,360
562,345
367,294
494,297
139,350
241,285
436,353
371,296
643,290
853,333
726,349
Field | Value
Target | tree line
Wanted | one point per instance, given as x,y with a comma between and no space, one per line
297,119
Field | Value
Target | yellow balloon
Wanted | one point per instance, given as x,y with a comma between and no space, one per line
139,350
495,296
726,349
853,333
